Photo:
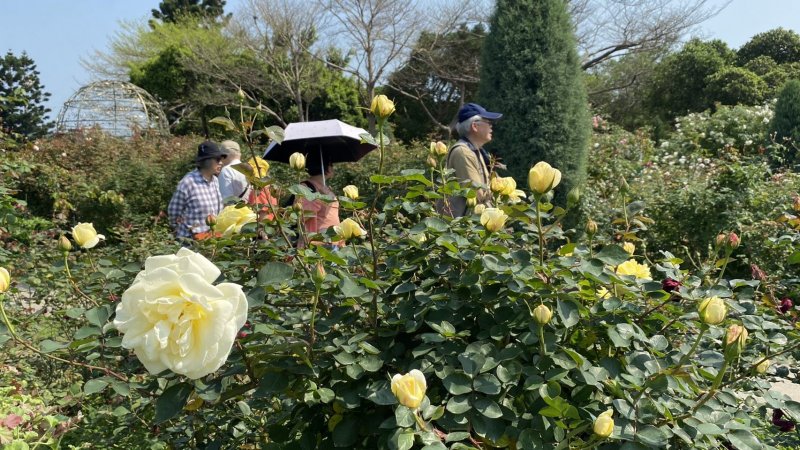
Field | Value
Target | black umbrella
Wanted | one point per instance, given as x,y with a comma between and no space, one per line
333,140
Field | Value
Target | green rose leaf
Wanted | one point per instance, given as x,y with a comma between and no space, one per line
172,401
457,383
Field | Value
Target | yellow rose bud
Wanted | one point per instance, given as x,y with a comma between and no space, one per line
319,274
493,219
64,245
381,106
604,424
349,229
591,227
297,161
472,201
629,247
409,388
211,221
431,161
542,314
712,310
479,208
241,94
735,339
260,167
543,178
762,367
438,148
5,280
351,192
85,235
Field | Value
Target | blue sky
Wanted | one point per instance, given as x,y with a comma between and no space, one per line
58,33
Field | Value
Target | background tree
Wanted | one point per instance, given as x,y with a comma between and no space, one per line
531,73
174,10
785,125
780,44
440,73
679,83
21,96
734,86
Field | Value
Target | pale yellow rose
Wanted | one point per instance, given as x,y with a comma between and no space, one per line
516,196
409,388
231,219
5,280
604,424
712,310
479,209
629,247
762,367
297,161
351,192
542,178
735,339
260,167
173,317
381,106
542,314
602,293
438,148
349,229
493,219
85,235
633,268
503,185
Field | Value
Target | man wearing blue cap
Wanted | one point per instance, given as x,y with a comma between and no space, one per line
468,159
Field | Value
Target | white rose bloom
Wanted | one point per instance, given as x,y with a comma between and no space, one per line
174,318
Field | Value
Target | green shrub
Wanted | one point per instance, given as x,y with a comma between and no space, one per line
785,125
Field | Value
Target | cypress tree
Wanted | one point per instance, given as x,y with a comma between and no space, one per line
22,98
531,73
785,125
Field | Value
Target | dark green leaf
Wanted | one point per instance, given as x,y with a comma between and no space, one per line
94,386
457,383
488,408
346,433
275,273
172,401
613,255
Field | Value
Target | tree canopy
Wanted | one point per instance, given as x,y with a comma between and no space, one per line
22,95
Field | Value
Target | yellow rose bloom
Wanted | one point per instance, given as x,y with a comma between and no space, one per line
479,209
231,219
629,247
351,192
438,148
85,235
493,219
631,267
381,106
602,293
604,424
712,310
542,178
516,196
349,229
297,161
503,185
409,388
260,167
173,317
5,280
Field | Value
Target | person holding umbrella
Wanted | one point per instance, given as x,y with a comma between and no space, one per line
319,215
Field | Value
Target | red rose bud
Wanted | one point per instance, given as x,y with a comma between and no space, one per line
670,285
785,425
242,335
112,298
733,239
786,305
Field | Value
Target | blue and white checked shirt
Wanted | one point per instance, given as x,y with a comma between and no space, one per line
193,200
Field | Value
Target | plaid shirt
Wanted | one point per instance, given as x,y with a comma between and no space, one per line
193,200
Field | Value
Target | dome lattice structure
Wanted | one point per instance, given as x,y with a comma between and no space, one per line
118,108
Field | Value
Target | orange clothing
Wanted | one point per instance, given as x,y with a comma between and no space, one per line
320,215
263,197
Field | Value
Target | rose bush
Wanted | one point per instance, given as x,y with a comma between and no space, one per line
447,301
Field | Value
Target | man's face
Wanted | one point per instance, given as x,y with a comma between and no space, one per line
483,129
218,163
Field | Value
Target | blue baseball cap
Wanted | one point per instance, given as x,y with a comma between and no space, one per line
474,109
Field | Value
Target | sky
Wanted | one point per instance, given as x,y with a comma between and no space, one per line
57,34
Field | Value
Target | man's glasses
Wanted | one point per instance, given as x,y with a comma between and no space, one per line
487,122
